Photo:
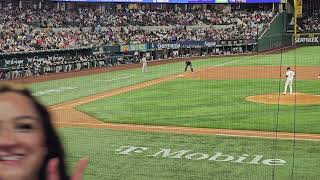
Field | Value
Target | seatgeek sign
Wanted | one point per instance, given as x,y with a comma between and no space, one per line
308,39
187,154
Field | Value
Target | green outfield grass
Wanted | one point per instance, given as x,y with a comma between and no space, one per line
186,102
210,104
63,90
107,164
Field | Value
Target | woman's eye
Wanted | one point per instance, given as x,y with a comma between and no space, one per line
24,127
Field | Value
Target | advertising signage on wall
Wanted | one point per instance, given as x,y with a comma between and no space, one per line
199,44
177,1
133,47
308,39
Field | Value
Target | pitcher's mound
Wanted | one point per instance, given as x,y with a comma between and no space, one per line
288,99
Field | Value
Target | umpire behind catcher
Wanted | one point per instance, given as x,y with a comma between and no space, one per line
188,63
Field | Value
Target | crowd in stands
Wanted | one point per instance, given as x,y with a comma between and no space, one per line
29,30
12,42
182,33
310,22
89,17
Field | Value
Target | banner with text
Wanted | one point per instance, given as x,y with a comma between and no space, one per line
23,58
308,39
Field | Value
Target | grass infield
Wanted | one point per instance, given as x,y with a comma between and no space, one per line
208,104
58,91
197,105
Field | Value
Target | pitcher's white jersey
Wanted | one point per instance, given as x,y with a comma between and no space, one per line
290,75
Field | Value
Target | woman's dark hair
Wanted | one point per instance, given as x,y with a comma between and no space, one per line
52,141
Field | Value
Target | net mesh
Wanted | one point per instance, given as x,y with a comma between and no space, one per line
229,119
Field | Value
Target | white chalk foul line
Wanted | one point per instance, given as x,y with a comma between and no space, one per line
109,80
148,84
230,62
108,94
179,75
241,59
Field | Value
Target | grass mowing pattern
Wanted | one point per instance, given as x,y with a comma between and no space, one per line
209,104
93,84
97,83
106,164
99,145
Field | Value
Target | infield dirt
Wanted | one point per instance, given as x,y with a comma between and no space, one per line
65,115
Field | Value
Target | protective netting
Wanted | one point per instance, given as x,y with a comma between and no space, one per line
308,21
225,115
274,138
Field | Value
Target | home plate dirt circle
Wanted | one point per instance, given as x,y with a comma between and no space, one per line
288,99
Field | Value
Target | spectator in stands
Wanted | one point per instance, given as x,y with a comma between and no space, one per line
18,29
310,22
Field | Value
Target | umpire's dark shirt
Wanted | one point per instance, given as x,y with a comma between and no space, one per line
188,63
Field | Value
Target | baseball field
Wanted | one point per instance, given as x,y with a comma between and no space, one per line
227,120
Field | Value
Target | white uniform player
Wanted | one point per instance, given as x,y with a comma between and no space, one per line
290,76
144,64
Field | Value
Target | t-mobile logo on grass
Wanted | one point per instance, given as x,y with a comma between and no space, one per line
190,155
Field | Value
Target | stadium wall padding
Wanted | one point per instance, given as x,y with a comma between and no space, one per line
276,36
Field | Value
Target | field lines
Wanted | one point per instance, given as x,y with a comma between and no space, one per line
88,99
95,97
115,79
65,114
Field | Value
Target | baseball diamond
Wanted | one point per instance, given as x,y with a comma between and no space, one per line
122,109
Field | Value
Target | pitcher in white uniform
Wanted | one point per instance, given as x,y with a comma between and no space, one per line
290,76
144,64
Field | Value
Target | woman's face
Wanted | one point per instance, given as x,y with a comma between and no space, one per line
22,147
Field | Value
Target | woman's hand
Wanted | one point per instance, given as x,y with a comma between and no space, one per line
53,173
